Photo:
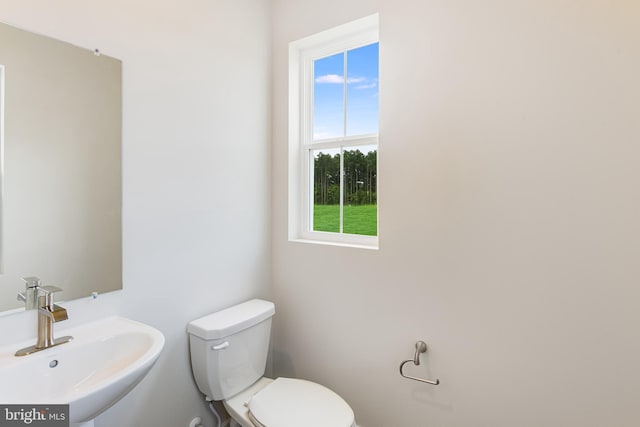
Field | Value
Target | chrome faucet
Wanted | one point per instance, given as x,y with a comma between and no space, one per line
48,314
30,294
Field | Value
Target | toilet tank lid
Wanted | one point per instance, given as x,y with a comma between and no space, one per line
231,320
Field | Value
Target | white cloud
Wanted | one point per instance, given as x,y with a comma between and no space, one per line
337,79
367,86
330,78
356,80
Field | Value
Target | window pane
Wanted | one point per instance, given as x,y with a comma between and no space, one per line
360,214
362,90
326,190
328,97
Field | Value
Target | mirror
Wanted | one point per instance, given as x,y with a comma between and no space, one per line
60,130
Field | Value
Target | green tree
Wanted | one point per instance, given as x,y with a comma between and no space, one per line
360,178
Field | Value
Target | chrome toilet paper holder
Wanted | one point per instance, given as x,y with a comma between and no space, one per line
421,347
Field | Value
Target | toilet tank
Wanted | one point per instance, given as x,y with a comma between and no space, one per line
229,348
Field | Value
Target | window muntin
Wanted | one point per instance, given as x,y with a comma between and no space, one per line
343,197
346,107
357,214
334,119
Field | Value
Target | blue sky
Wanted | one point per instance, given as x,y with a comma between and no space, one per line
362,94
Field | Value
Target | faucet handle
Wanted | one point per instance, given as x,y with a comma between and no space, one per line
31,282
50,290
47,293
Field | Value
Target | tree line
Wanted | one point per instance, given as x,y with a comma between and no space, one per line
360,178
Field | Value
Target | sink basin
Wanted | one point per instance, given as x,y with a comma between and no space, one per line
105,360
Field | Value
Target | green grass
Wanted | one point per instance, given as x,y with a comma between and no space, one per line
362,219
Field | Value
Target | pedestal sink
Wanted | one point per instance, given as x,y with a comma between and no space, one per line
105,360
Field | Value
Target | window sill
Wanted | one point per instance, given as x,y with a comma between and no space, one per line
374,246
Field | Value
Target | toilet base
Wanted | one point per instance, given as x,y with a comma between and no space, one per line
236,407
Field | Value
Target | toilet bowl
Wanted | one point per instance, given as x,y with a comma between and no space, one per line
289,402
228,359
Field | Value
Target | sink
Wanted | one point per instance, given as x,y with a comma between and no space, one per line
105,360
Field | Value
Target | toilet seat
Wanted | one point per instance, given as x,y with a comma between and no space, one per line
288,402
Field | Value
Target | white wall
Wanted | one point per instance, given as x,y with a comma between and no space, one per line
195,172
509,219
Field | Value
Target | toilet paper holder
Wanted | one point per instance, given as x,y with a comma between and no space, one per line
421,347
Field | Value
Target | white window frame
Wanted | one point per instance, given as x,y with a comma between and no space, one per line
302,53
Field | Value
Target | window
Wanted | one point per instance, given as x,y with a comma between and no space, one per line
333,135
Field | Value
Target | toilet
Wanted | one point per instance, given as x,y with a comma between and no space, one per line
228,358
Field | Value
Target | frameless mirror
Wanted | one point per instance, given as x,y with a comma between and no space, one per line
60,130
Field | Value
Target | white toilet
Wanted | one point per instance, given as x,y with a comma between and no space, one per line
228,357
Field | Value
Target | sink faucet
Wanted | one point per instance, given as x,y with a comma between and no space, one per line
48,314
30,294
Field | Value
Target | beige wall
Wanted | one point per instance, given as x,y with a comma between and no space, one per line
509,219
